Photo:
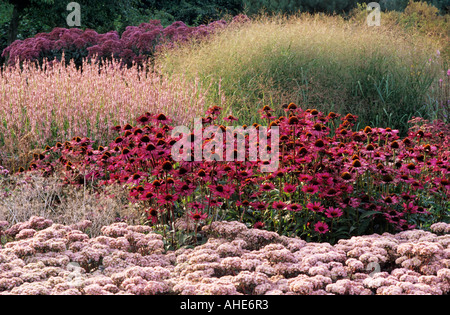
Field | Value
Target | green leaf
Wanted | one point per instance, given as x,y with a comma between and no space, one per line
368,214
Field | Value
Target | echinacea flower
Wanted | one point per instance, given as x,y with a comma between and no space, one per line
230,118
294,207
259,225
331,192
144,119
259,205
267,187
167,166
185,189
152,215
198,215
196,205
147,195
214,111
136,177
162,119
279,205
289,188
410,207
310,189
321,227
223,191
333,213
167,199
315,206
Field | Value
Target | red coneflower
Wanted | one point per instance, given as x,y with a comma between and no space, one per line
395,145
267,187
147,196
315,206
367,129
152,215
167,166
294,207
156,183
356,163
201,173
127,127
279,205
259,205
333,213
259,225
331,192
387,178
198,215
319,143
230,118
310,189
321,227
185,189
144,119
267,108
293,120
167,198
161,118
289,188
214,111
346,176
145,139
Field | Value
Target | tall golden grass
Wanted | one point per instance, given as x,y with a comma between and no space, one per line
383,74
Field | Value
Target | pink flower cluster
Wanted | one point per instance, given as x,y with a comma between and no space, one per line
3,171
135,45
53,259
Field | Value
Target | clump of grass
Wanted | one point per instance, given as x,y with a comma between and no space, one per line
30,194
382,74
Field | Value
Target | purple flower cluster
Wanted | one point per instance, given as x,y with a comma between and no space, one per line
52,259
136,44
3,171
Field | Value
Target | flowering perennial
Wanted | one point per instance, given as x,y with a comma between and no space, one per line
134,46
332,182
62,260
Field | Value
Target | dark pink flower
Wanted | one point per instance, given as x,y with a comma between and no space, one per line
315,206
333,213
289,188
321,227
310,189
279,205
198,215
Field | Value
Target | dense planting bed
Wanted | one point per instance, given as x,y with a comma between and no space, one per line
46,258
